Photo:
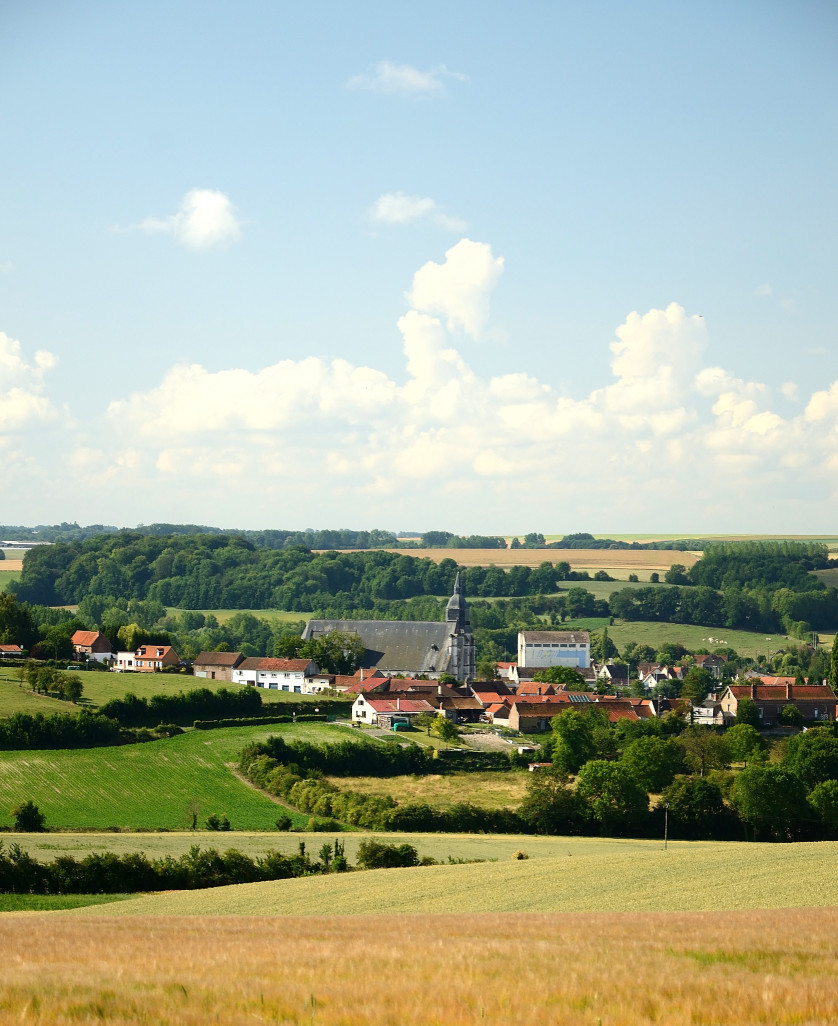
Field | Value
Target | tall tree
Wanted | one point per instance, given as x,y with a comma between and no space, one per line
833,665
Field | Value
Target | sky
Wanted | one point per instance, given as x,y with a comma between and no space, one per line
486,267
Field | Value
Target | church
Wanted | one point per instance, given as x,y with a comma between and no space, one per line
413,647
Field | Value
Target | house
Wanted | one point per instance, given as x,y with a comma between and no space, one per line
709,713
387,712
505,670
146,659
715,664
816,702
614,674
412,647
92,645
216,665
294,675
554,648
498,713
10,651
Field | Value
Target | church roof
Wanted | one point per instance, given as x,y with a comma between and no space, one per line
418,646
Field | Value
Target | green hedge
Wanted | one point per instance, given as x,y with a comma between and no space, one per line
256,721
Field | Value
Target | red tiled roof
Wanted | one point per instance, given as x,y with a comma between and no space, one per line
216,658
14,649
388,705
286,665
358,687
775,693
84,637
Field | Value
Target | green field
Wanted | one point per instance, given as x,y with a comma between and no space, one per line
746,643
223,615
54,902
149,786
583,876
7,576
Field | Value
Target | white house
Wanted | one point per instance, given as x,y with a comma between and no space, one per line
374,710
554,648
296,675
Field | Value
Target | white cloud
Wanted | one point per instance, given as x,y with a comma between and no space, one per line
398,208
458,289
791,391
386,77
763,290
206,218
22,404
668,437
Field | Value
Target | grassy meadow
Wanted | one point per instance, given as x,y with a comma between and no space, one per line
489,790
537,969
148,786
691,636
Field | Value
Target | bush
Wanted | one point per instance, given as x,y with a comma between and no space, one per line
28,818
374,854
318,825
284,822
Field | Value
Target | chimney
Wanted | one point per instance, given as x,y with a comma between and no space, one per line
362,673
398,703
439,690
788,692
753,690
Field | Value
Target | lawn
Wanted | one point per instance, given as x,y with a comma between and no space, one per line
489,790
153,786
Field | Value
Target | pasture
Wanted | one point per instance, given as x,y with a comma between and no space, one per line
728,969
273,616
7,575
692,637
152,786
596,877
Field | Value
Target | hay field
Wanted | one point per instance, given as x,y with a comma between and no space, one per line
618,561
527,970
147,786
688,877
489,790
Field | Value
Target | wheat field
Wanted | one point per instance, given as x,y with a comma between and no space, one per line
726,969
623,561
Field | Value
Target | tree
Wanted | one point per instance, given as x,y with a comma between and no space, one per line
71,687
824,800
373,854
697,684
338,652
676,574
28,818
813,756
16,625
443,728
744,742
574,743
747,712
602,647
694,805
487,669
565,676
612,795
550,805
704,749
771,799
425,721
790,716
832,679
653,762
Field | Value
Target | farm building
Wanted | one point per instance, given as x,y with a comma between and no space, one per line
412,647
554,648
92,645
10,651
216,665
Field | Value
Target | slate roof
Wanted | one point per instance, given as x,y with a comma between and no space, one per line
419,646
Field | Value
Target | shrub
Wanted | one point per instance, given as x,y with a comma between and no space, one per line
284,821
28,818
374,854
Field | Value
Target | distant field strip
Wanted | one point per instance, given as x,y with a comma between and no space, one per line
690,876
729,969
694,636
579,559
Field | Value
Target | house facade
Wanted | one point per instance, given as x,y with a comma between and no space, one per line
816,702
376,711
146,659
294,675
554,648
216,665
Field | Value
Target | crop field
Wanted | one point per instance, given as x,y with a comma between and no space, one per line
829,577
7,575
616,561
728,969
490,790
153,786
688,876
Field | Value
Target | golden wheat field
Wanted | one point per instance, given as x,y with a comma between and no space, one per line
447,970
627,560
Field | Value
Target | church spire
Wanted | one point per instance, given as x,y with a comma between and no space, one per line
457,609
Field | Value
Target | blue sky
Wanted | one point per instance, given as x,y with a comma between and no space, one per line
369,265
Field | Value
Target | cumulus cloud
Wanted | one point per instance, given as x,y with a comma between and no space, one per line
206,218
670,437
386,77
398,208
459,288
22,404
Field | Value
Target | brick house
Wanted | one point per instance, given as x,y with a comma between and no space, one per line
92,645
815,701
216,665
